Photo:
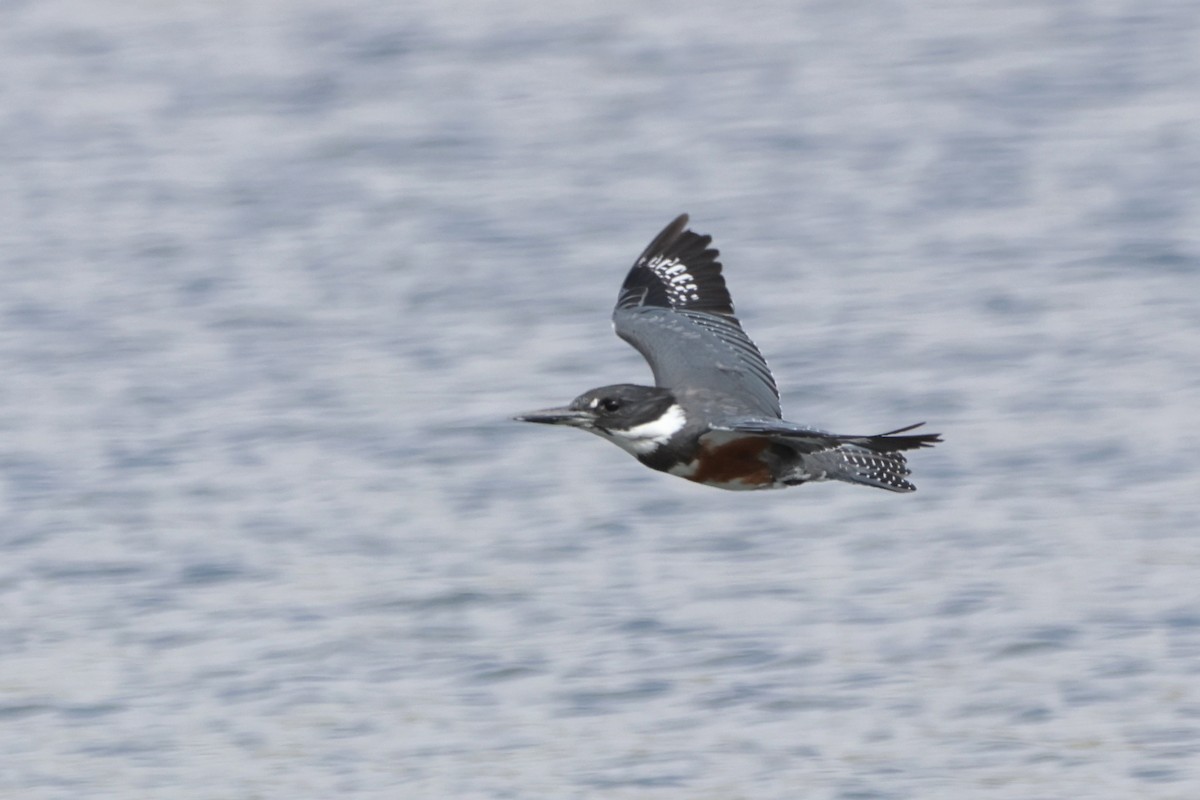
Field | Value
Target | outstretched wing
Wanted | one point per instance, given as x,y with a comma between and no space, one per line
675,310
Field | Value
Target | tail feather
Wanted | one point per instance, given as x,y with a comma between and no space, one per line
889,442
874,460
853,464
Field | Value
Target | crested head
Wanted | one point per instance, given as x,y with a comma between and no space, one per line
638,419
624,405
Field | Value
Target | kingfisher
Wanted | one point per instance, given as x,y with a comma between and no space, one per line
713,415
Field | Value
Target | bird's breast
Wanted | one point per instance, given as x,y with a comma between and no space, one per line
737,464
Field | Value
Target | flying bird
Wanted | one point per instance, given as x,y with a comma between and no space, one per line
713,415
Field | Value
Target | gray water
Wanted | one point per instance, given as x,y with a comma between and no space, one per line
276,274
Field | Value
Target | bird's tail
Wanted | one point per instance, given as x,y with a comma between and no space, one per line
873,460
889,442
854,464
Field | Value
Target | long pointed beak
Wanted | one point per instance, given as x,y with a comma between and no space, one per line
576,418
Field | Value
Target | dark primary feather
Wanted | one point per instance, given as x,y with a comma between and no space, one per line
675,310
807,440
677,270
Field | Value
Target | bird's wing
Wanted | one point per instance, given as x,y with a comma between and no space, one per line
675,310
807,440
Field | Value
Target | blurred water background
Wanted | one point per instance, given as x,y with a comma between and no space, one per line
275,274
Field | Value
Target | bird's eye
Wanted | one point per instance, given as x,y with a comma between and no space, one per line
609,404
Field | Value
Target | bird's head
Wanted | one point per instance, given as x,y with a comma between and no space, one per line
639,419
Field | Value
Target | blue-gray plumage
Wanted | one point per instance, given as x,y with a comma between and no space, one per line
713,415
675,310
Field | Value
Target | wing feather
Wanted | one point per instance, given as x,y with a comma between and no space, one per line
808,440
675,310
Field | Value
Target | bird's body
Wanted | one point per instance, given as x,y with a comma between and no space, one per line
713,416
